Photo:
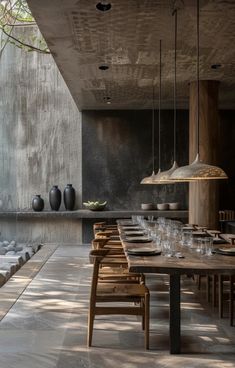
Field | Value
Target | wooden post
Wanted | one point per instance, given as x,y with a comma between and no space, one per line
203,196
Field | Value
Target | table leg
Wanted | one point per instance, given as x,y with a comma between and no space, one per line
174,314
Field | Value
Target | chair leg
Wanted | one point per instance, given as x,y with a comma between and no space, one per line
146,335
91,317
231,296
208,287
142,305
214,291
199,278
220,296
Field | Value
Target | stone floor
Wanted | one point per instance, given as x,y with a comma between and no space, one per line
46,326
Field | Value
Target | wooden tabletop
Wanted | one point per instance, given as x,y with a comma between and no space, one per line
192,263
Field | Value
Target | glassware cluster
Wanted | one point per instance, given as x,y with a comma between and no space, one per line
172,237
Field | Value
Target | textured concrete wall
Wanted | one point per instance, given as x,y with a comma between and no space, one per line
117,154
40,131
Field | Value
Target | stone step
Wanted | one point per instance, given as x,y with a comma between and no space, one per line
9,267
12,259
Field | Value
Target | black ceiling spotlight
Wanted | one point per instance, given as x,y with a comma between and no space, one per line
103,6
103,67
107,99
216,66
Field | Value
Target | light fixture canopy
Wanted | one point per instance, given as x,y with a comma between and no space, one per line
103,6
198,170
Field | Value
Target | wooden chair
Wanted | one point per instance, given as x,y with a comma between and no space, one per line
107,243
226,287
103,227
134,298
119,266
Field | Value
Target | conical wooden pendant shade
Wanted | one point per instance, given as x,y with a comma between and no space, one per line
198,170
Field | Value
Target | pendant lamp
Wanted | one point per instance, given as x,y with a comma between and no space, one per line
155,178
198,170
165,176
149,179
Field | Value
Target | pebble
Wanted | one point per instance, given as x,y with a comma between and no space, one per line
18,248
10,253
10,247
16,255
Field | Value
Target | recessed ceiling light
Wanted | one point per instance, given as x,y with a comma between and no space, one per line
107,99
103,67
103,6
216,66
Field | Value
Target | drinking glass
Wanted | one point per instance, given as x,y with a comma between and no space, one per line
187,239
134,219
208,245
166,250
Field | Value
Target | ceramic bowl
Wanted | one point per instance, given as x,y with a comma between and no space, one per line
163,206
174,206
147,206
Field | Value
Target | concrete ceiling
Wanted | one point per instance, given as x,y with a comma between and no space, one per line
126,38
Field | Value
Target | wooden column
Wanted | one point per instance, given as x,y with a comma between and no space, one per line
203,196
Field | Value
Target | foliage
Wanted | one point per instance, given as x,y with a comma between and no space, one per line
13,14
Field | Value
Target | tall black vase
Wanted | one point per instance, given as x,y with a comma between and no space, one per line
69,197
55,198
37,203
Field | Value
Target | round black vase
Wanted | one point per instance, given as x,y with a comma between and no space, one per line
69,197
55,198
37,203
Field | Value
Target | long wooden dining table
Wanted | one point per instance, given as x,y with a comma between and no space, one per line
193,263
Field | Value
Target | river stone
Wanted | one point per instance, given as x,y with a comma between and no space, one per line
3,251
5,274
24,254
10,247
18,248
5,243
10,253
2,278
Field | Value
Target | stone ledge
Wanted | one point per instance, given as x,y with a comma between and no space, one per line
83,214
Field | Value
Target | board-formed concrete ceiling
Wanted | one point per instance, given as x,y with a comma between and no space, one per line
126,38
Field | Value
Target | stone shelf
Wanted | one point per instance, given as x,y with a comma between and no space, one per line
86,214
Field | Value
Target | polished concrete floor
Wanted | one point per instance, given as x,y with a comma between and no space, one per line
46,327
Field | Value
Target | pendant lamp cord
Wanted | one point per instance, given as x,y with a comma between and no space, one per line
198,92
159,108
153,132
175,13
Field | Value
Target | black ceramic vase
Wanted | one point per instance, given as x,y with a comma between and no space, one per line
37,203
55,198
69,197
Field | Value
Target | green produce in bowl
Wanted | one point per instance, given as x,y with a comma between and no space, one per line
95,205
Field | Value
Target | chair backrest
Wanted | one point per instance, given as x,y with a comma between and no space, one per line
98,243
104,234
108,257
226,215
